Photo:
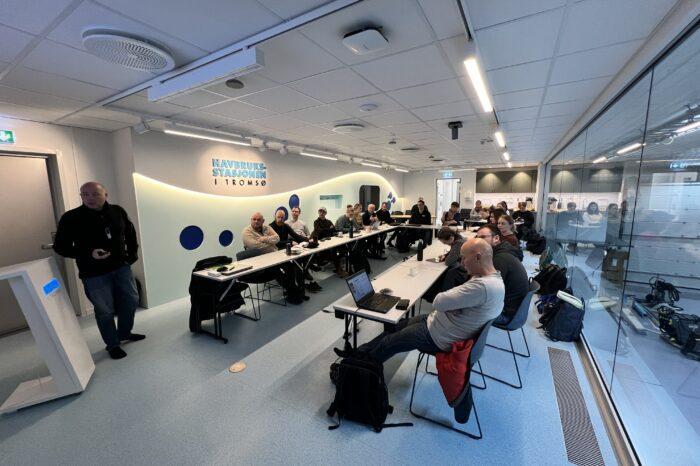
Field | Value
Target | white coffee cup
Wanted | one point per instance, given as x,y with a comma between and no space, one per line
413,272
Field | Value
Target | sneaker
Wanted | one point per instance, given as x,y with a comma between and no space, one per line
116,353
310,287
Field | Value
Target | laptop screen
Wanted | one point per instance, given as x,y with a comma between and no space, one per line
360,286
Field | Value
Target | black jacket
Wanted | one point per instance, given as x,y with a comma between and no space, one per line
527,217
506,259
384,216
420,219
285,232
83,229
323,229
366,218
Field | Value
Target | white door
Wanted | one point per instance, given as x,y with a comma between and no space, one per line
27,219
448,191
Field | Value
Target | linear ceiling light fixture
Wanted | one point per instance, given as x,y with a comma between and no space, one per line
203,136
510,165
368,164
318,156
401,170
474,73
506,156
602,158
688,127
629,148
499,139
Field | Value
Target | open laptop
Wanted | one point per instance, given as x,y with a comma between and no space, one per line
363,293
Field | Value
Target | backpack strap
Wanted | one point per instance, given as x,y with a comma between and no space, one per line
331,411
397,424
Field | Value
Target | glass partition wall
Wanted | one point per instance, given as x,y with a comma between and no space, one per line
623,214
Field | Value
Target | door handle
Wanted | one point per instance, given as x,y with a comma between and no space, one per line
47,246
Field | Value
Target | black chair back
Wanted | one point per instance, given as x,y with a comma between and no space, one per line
407,212
247,254
479,344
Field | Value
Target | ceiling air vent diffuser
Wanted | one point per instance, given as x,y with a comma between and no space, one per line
345,128
129,51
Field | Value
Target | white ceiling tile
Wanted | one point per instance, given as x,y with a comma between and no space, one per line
31,15
31,80
252,83
400,70
92,123
526,132
142,105
564,108
593,63
401,22
583,90
106,114
525,40
596,23
13,41
543,122
238,110
210,24
290,9
444,17
280,122
310,132
517,114
332,86
429,94
517,125
448,110
280,99
410,129
197,99
92,16
391,118
487,13
291,57
38,100
518,77
456,48
320,114
352,106
518,99
22,112
52,57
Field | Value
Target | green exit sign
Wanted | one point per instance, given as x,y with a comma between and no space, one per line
7,137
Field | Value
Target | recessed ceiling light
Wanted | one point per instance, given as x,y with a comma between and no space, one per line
499,139
235,84
474,73
345,128
629,148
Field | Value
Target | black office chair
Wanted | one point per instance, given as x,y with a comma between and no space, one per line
465,213
262,277
407,212
474,356
518,321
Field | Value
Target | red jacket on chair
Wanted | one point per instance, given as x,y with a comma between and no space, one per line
453,369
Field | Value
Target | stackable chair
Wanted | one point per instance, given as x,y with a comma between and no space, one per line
474,356
516,323
260,280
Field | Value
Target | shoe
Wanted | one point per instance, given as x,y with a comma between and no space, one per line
311,288
134,337
116,353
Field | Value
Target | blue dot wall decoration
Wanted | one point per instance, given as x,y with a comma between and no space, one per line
191,237
294,201
225,238
283,209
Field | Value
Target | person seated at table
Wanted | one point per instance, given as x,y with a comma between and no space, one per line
370,216
452,216
420,216
524,215
592,215
257,235
297,224
357,214
504,207
383,213
323,228
455,275
495,215
477,207
459,314
507,260
506,225
566,225
375,243
346,220
485,214
286,233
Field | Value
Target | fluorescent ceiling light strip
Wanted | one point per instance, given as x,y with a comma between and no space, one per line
499,139
685,128
203,136
367,164
629,148
600,159
506,156
318,156
401,170
474,73
510,165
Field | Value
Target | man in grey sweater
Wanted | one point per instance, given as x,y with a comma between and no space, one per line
460,313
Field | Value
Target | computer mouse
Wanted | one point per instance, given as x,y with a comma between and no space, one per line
385,291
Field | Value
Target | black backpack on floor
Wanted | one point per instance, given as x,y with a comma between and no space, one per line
560,320
361,394
551,278
535,243
402,242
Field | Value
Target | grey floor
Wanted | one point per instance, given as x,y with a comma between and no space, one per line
173,401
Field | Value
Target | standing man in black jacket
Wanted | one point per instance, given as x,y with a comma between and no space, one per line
102,240
507,260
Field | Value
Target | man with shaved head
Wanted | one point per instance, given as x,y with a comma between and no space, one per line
102,240
460,313
257,235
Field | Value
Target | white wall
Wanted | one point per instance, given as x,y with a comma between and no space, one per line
79,155
416,184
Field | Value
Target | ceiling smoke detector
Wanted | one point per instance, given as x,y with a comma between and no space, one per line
365,41
129,51
345,128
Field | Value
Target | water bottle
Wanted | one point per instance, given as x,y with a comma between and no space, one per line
351,230
288,249
419,257
464,224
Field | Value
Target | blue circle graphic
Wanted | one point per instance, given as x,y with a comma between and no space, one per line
294,201
283,209
225,238
191,237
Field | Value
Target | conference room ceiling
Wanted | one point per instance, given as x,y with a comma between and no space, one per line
544,64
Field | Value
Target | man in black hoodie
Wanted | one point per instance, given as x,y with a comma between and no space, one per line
507,260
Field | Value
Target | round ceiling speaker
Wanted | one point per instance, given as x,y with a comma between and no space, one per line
345,128
235,84
129,51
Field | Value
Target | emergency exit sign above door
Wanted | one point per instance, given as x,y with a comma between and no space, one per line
7,136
